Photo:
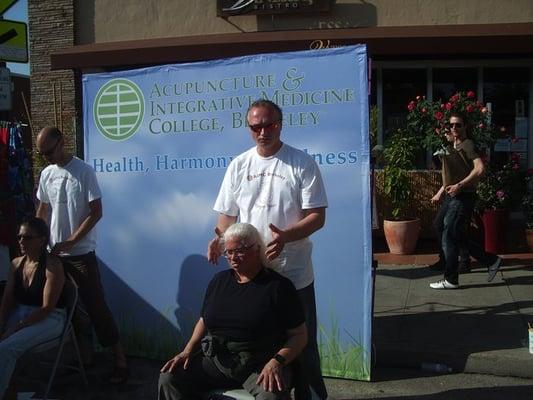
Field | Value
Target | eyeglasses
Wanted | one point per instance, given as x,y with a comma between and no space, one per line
267,127
50,151
26,237
455,125
240,252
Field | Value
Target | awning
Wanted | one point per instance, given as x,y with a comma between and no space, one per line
438,41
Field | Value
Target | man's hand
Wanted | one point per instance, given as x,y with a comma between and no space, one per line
60,247
178,359
275,247
271,377
213,248
453,190
435,199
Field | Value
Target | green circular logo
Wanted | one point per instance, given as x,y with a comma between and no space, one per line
118,109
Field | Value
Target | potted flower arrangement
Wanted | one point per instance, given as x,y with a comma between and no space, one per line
401,231
497,192
427,119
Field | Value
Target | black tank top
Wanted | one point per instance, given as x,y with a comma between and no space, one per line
33,295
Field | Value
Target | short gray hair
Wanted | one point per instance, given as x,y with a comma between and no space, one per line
248,235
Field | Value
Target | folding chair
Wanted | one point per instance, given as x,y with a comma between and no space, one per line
70,295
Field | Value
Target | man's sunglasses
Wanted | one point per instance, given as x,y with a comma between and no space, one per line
267,127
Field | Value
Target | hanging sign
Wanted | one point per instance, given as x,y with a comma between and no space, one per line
226,8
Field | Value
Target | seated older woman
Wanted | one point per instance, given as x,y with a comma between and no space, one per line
251,328
28,313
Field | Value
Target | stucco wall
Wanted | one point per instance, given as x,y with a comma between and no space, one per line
105,20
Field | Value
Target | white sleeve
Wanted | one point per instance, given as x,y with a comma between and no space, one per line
226,202
312,190
93,190
41,194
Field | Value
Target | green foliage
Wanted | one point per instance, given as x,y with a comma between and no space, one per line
502,188
527,206
427,120
400,153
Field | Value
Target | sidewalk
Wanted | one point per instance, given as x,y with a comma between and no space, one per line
479,328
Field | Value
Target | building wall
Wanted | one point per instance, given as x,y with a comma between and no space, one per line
107,21
53,93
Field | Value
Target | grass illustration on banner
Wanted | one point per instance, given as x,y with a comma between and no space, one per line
349,361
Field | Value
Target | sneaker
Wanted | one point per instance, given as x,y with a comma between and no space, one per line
443,284
494,268
437,266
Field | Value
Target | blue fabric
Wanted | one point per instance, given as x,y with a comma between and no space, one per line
19,342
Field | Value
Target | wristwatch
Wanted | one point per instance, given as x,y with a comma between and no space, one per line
279,358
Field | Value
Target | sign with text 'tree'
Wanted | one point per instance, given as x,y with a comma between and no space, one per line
13,41
161,138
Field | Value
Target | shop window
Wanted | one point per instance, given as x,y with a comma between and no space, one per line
507,89
399,87
448,81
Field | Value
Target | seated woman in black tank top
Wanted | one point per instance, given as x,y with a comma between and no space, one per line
31,311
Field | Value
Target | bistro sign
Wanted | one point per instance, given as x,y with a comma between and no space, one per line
226,8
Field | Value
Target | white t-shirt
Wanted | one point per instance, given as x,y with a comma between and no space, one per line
276,189
68,190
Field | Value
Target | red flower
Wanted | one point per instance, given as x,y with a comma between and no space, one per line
471,94
418,98
481,125
424,110
484,110
454,98
439,115
411,106
469,108
448,106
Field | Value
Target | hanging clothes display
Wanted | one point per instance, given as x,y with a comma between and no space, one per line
16,182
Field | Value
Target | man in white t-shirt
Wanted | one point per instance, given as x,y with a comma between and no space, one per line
70,200
279,190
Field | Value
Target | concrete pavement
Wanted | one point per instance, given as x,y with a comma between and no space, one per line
479,328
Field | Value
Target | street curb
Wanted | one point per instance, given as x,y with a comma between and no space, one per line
497,362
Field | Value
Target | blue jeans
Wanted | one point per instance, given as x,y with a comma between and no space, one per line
16,344
453,218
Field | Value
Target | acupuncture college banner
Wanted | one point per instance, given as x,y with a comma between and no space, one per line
160,140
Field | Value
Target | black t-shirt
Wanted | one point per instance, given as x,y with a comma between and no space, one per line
267,306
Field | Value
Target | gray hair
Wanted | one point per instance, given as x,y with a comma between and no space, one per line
248,235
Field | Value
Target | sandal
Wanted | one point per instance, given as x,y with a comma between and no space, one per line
119,376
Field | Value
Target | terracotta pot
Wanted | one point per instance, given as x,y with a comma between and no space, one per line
495,222
529,239
402,236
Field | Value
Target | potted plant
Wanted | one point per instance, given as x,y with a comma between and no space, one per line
527,206
401,230
499,191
